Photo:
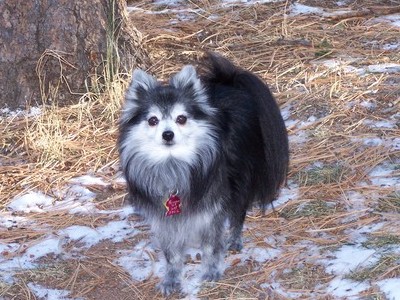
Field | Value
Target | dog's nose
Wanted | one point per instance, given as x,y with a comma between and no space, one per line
168,135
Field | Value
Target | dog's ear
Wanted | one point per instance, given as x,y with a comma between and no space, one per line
187,79
141,81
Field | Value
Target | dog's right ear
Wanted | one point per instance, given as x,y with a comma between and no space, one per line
141,79
141,82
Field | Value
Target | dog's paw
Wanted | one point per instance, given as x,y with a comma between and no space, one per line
212,274
169,286
235,245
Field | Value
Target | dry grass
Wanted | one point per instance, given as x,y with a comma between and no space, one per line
45,151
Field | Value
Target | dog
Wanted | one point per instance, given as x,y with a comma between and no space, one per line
198,151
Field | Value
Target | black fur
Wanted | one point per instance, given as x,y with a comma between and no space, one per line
255,141
243,160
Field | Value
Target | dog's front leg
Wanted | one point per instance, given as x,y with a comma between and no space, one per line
213,251
174,263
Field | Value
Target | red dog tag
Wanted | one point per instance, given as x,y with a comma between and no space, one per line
173,205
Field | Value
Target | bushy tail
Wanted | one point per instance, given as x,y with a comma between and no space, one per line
222,71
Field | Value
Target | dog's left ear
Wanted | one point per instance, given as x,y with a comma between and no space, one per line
187,79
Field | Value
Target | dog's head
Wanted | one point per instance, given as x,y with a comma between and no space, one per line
161,121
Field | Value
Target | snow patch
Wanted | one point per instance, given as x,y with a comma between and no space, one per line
139,263
88,180
348,258
50,245
349,289
383,176
31,112
390,287
116,231
7,220
300,136
286,194
285,112
84,234
277,288
259,254
391,46
380,124
30,202
249,2
361,234
341,3
384,68
48,294
301,9
393,20
368,105
377,68
356,200
390,143
76,199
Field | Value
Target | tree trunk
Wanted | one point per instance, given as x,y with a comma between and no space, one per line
52,50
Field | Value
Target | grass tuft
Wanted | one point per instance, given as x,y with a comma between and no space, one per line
305,277
314,209
381,241
390,203
318,175
324,49
388,266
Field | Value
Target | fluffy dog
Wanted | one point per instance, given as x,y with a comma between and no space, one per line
198,151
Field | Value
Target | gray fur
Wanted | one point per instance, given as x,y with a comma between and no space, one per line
232,152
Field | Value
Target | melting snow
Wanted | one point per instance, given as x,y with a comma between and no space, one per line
380,124
49,245
116,231
301,9
391,46
139,263
286,194
348,258
340,287
31,202
249,2
88,180
32,112
384,68
48,294
384,176
391,288
345,65
258,254
393,20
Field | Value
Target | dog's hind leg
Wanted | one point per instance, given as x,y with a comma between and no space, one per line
236,220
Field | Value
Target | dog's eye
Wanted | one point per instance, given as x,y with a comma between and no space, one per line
181,119
153,121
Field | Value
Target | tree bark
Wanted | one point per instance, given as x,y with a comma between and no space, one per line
53,51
